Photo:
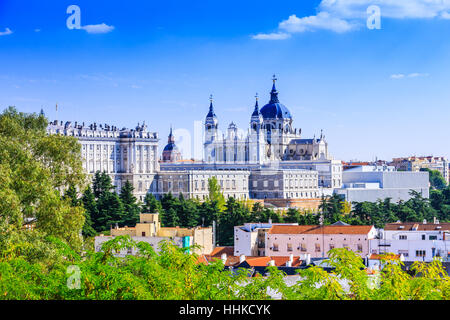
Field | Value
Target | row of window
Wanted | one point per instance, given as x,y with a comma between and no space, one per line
317,247
424,237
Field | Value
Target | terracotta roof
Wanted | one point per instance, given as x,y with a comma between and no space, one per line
202,259
218,251
333,229
281,261
408,226
258,261
280,229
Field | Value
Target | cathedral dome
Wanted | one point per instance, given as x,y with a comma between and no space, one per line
274,109
171,152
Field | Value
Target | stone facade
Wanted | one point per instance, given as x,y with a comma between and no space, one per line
125,154
194,183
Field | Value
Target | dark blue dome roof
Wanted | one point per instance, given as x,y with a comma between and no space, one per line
275,111
170,147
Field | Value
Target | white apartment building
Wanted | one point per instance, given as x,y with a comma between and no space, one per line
415,241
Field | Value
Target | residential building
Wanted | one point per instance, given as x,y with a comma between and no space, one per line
282,240
149,230
414,163
415,241
250,239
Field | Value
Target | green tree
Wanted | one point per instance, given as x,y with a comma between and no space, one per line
187,212
110,212
90,207
437,181
151,204
130,207
35,169
215,193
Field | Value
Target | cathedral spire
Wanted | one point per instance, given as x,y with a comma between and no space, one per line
274,92
256,111
211,108
171,137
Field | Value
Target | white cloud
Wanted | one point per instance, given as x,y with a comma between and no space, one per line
271,36
411,75
416,74
98,28
397,76
323,20
6,32
37,30
397,9
345,15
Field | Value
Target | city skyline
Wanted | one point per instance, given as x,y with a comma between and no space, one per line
374,92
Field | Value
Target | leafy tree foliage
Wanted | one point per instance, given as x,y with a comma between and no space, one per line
173,274
130,206
35,170
437,181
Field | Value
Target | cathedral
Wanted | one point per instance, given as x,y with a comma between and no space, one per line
271,161
270,137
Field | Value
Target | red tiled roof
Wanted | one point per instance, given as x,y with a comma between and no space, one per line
280,229
202,259
320,230
218,251
257,261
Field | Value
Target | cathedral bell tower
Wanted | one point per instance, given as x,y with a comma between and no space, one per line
211,126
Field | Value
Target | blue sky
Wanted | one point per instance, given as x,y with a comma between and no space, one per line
376,93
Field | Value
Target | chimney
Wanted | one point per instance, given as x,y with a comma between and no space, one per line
241,258
289,263
291,257
424,221
224,257
272,263
270,221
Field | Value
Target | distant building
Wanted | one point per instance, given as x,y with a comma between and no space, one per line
149,230
271,161
193,184
370,183
250,239
171,152
283,240
414,163
415,241
124,154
